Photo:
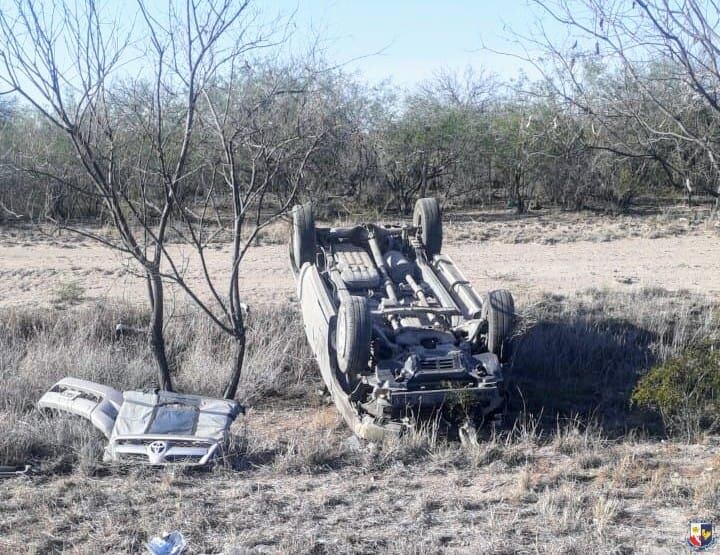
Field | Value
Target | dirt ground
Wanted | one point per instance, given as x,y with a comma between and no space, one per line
565,497
559,253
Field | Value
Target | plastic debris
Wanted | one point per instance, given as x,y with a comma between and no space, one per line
170,544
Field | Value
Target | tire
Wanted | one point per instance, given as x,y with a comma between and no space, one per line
303,235
353,334
499,311
428,218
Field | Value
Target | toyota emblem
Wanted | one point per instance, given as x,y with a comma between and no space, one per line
157,447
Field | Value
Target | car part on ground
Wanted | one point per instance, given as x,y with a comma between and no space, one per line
97,403
398,332
170,544
14,471
152,427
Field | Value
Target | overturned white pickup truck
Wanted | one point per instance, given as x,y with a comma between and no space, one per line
398,332
152,427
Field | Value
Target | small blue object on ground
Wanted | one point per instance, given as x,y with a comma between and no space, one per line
171,544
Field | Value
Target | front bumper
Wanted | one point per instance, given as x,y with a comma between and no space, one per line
97,403
482,397
163,450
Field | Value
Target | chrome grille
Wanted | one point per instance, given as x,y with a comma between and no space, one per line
170,442
440,363
183,458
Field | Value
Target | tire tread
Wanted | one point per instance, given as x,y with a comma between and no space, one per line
358,334
428,216
499,310
303,235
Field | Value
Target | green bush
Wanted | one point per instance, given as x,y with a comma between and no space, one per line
68,293
685,390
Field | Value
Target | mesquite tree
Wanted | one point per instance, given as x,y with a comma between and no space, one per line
659,99
133,138
261,127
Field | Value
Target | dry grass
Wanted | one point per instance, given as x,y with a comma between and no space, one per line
582,355
553,226
38,347
574,471
68,293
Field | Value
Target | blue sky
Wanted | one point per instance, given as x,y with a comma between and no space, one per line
415,37
404,41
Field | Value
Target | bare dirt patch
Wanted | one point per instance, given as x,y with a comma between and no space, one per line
518,253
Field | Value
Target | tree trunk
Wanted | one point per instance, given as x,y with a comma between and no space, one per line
236,314
232,386
156,338
520,202
405,204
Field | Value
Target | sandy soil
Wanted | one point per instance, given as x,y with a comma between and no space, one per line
35,269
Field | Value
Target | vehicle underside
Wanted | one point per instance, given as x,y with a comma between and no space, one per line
400,335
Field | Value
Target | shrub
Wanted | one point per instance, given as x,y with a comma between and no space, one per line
583,355
68,293
685,390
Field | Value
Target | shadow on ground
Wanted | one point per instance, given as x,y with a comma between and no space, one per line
582,357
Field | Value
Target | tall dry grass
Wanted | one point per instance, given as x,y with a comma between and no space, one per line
39,347
583,355
575,358
553,481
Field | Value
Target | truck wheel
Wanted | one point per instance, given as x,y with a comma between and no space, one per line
352,337
499,311
428,218
303,235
